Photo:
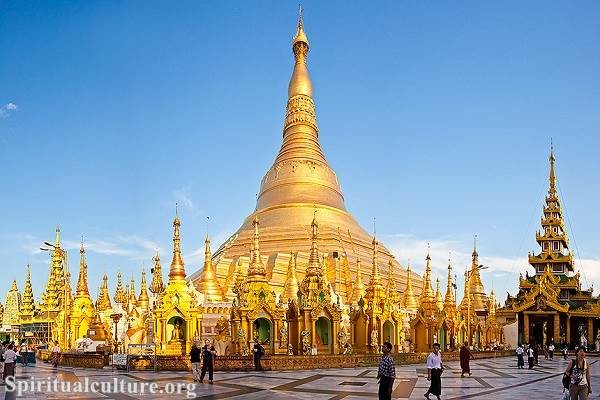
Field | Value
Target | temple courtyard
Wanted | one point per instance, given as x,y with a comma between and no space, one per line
491,377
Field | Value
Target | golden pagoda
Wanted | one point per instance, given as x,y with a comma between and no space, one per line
81,310
551,306
12,306
290,289
103,300
299,181
143,301
157,285
27,300
120,293
255,311
409,300
176,314
208,283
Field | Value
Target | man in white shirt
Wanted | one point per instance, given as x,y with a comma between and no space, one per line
551,351
434,372
520,361
530,356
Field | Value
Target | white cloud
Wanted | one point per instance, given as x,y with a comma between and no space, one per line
7,109
184,200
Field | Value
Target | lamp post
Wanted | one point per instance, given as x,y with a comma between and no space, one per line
116,318
469,274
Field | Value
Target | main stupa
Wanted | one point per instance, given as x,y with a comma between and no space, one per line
298,186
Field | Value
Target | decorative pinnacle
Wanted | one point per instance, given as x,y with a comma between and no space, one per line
552,189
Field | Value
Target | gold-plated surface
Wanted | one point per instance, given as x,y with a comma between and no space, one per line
208,283
299,182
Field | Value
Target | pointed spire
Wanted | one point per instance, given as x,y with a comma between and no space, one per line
290,289
359,287
409,302
27,303
143,300
449,300
132,299
375,278
475,255
57,237
427,295
552,178
82,281
208,283
439,301
177,271
314,267
156,286
300,84
256,268
103,301
120,293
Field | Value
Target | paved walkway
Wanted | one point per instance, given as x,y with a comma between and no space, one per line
496,379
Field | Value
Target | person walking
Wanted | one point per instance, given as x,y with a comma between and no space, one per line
465,357
10,357
23,352
195,360
579,372
55,357
530,357
258,353
536,353
565,352
434,372
386,374
208,361
520,361
551,351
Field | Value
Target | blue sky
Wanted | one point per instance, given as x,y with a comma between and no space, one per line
436,116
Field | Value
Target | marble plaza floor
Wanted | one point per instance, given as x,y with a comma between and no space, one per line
496,379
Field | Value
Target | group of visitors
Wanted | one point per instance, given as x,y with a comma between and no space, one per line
203,360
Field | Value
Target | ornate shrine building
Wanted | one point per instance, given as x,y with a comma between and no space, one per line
551,306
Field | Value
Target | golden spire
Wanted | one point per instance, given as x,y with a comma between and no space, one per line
449,299
409,302
132,299
427,295
143,300
57,237
314,267
27,303
103,301
439,301
256,268
177,271
375,278
208,284
478,296
120,293
157,285
552,189
391,287
359,288
82,282
300,84
290,289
